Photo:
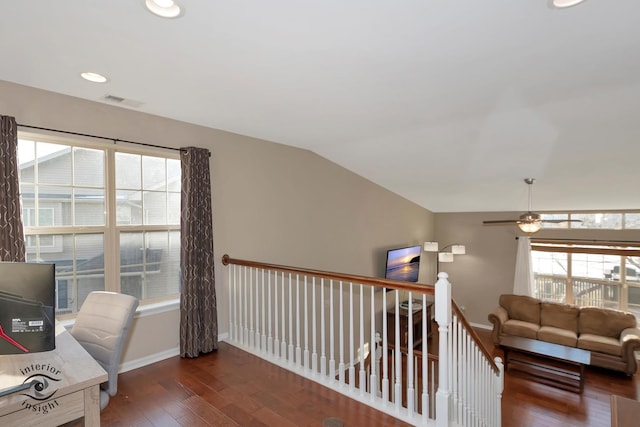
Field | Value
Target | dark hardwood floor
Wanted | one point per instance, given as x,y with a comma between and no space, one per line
232,388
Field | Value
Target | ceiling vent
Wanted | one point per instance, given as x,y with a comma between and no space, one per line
122,101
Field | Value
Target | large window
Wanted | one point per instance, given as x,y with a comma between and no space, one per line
108,218
588,275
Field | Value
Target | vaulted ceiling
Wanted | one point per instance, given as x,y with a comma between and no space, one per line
450,104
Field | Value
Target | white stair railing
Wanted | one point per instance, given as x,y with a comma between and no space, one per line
334,329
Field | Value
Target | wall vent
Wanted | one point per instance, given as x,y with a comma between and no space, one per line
123,101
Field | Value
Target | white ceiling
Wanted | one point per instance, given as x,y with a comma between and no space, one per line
450,104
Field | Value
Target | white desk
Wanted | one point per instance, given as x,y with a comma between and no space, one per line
74,379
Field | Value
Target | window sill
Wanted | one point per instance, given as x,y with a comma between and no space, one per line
142,311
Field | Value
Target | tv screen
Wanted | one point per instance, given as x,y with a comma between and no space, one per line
27,313
403,264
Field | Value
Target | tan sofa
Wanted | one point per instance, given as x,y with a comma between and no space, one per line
612,336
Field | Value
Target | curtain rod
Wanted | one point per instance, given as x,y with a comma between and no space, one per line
596,241
115,140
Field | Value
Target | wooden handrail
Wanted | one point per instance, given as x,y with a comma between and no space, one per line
372,281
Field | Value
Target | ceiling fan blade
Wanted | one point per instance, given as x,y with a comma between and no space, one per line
505,221
559,221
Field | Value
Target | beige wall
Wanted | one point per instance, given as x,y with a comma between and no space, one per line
272,203
487,270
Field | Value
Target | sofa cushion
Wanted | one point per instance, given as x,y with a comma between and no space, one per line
604,322
520,328
558,336
601,344
521,307
561,316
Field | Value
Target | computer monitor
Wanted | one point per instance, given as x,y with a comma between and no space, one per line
27,307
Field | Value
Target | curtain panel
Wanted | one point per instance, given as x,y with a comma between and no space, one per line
12,247
198,311
523,280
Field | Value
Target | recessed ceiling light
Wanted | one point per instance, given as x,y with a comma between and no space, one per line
94,77
164,8
560,4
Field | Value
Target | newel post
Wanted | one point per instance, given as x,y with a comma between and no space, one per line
443,318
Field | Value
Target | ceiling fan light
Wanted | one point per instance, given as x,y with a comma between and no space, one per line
530,227
560,4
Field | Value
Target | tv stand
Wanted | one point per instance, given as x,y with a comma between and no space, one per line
403,315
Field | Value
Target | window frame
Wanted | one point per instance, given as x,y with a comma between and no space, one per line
110,230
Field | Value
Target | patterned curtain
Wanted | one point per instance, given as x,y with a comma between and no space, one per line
11,233
198,312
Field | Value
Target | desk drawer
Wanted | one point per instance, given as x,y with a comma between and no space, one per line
53,412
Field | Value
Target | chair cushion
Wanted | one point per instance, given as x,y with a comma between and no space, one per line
600,344
604,322
563,316
521,307
520,328
558,336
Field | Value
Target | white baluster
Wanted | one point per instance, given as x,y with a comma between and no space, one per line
362,374
332,354
374,349
270,337
385,349
398,356
323,345
263,340
410,388
276,316
314,349
425,362
291,347
352,356
250,309
283,345
298,360
341,367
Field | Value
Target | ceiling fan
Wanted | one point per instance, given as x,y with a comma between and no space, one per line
529,222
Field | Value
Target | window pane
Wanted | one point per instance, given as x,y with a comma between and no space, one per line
129,207
88,167
554,217
59,200
173,174
89,206
550,275
632,220
154,173
173,208
598,220
128,171
155,208
90,265
54,163
149,263
26,156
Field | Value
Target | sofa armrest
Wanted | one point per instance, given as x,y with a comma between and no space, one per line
630,340
497,317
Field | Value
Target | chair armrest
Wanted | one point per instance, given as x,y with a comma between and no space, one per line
630,341
497,317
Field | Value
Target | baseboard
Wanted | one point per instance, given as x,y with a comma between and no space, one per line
148,360
157,357
481,326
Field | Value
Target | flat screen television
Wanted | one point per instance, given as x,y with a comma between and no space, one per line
27,307
403,264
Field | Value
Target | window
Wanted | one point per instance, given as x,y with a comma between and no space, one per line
597,220
587,275
108,218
